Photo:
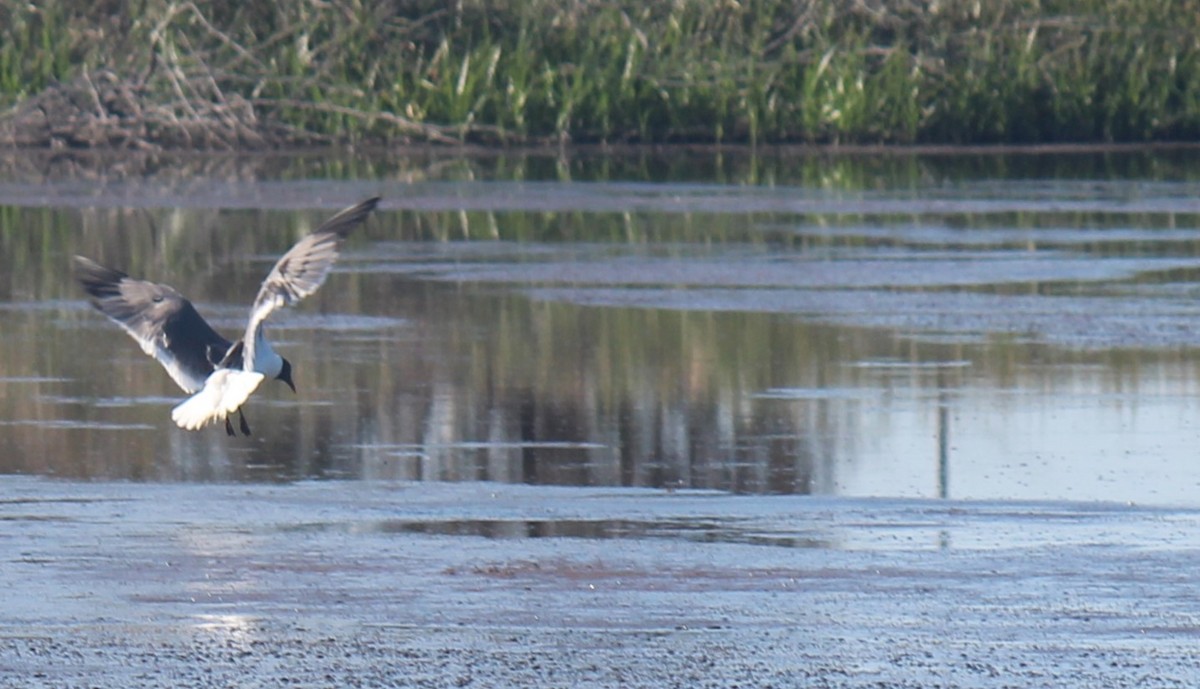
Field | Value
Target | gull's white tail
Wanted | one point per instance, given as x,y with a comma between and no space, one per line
225,390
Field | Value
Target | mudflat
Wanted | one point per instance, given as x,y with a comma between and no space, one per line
379,584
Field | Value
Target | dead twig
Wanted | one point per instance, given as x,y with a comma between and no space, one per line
435,133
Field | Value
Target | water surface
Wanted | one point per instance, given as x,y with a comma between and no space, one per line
1007,327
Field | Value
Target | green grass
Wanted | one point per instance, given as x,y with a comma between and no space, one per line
33,53
755,71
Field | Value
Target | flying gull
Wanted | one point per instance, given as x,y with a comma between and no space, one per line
218,374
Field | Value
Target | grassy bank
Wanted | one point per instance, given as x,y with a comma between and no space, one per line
223,73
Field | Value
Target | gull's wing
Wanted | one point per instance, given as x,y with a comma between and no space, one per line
224,391
159,318
302,269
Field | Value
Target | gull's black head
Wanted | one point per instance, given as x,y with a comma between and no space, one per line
285,374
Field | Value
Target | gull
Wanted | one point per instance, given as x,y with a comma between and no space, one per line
218,374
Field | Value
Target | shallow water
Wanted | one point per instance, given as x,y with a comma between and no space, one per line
968,326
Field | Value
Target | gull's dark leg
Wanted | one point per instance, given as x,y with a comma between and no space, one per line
242,422
229,428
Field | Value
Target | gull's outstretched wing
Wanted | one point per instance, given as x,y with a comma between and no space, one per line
159,318
301,270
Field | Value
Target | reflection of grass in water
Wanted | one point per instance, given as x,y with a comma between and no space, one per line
677,385
671,392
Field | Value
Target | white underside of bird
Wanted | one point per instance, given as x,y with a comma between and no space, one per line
225,391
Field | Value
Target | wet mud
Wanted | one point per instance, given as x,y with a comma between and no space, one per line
353,584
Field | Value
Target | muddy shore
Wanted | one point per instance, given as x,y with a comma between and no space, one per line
356,584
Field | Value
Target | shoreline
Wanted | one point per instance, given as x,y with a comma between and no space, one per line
473,150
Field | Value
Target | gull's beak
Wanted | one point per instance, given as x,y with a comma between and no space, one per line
285,375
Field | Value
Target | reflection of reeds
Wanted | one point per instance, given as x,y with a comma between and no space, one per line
167,176
483,383
228,74
477,386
